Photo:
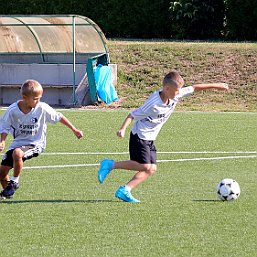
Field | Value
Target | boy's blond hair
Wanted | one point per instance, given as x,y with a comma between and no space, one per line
173,78
31,87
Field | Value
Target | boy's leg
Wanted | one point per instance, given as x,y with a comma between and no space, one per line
124,192
141,176
142,160
19,155
13,184
18,162
4,177
6,166
107,166
12,159
22,154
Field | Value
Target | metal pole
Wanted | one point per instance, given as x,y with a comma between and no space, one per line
74,61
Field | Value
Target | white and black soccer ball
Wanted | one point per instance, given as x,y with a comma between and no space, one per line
228,189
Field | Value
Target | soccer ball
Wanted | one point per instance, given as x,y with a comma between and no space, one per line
228,189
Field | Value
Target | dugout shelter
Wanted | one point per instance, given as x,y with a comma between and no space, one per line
54,50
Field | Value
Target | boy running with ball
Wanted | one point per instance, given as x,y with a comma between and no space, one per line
149,119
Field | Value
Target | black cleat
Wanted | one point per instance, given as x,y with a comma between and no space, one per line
9,190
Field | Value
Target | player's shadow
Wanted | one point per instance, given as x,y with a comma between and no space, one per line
207,200
55,201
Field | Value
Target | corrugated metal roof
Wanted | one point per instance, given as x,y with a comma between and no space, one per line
50,34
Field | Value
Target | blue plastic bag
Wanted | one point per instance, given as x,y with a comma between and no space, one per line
103,79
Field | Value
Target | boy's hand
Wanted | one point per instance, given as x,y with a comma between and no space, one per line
225,86
121,133
78,133
2,146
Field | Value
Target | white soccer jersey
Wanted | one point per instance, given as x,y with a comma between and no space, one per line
151,116
30,128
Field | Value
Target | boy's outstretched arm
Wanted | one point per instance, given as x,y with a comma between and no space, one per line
66,122
125,124
221,86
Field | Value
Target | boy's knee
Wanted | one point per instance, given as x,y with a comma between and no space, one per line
151,168
17,154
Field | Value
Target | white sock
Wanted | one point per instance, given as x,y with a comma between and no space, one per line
128,188
15,179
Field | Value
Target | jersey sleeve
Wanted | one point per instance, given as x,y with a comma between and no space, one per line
5,123
143,111
147,109
138,114
52,116
184,92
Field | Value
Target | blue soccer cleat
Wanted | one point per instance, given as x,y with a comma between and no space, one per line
106,166
123,194
9,191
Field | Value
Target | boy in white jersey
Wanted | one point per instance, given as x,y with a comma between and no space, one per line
149,118
27,120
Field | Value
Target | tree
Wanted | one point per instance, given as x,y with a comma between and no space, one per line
197,19
241,19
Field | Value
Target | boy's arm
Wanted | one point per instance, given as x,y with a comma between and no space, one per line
125,124
2,141
220,86
67,123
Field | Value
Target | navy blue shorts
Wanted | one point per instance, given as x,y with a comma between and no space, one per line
29,152
142,151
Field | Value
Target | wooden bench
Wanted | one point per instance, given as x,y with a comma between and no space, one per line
53,94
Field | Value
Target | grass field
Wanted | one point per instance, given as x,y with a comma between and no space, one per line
62,210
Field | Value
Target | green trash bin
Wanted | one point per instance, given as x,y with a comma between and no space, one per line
91,65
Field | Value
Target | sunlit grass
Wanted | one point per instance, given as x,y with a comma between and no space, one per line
142,65
66,212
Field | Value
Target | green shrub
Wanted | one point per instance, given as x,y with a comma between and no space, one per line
241,19
197,19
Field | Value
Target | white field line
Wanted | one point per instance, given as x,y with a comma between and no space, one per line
61,166
181,152
176,160
124,153
86,153
211,158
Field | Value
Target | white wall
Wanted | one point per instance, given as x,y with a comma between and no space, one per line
59,75
52,74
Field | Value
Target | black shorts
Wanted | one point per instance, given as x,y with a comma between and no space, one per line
29,152
142,151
